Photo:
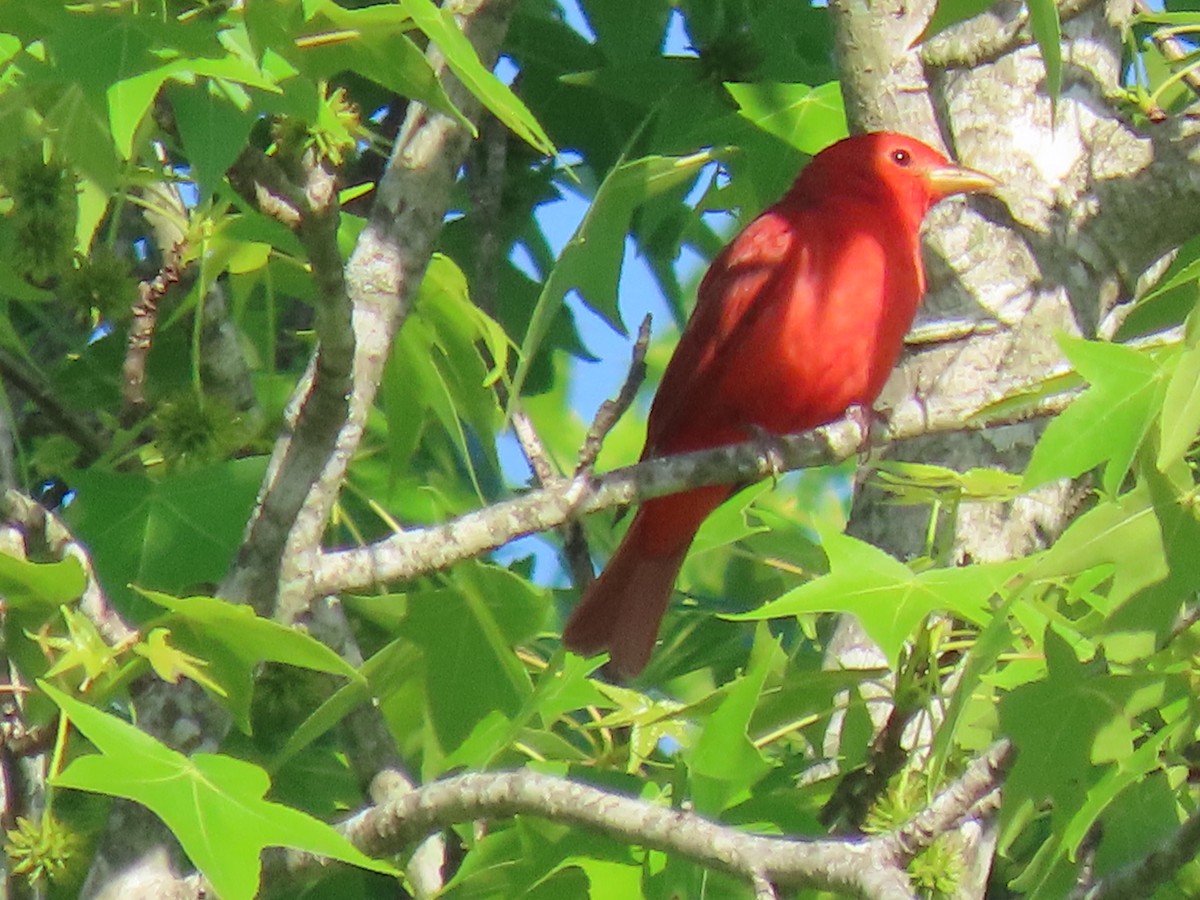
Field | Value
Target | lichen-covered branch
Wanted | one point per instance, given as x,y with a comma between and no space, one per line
321,409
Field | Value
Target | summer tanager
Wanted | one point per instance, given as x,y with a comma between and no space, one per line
800,318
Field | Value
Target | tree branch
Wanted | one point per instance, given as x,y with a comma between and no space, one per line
142,330
321,405
873,868
86,433
382,277
421,550
1160,865
862,868
989,36
969,795
610,411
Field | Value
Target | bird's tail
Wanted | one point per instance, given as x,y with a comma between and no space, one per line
623,608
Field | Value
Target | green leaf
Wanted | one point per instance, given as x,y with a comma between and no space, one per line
1124,533
213,130
729,522
886,596
591,261
1107,423
29,584
235,642
807,118
83,648
1068,728
170,663
629,31
1180,420
81,133
383,672
130,98
1166,565
724,764
171,534
440,27
1043,19
467,635
213,804
919,484
371,41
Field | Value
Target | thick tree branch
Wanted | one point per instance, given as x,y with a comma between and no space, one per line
872,868
322,406
382,277
862,868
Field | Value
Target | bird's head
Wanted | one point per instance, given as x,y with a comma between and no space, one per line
888,168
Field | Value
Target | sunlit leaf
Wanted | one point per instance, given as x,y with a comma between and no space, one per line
591,261
886,596
213,804
807,118
1107,423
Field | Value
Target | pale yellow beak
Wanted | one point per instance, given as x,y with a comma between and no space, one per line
947,180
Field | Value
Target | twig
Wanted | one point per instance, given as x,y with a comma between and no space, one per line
141,332
610,411
1170,47
969,795
575,546
1156,867
87,435
422,550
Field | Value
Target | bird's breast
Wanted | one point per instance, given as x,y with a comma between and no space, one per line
847,304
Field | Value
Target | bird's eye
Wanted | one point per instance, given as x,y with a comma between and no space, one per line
901,157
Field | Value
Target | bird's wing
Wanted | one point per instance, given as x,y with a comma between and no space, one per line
735,293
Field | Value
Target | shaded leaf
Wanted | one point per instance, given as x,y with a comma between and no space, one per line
235,641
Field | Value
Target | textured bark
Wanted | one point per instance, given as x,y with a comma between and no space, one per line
381,279
1089,203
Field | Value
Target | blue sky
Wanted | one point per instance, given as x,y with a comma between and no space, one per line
595,382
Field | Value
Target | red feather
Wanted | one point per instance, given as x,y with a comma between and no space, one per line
800,317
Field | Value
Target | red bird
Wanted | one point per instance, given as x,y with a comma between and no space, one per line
801,317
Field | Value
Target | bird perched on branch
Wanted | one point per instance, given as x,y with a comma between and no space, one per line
800,318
